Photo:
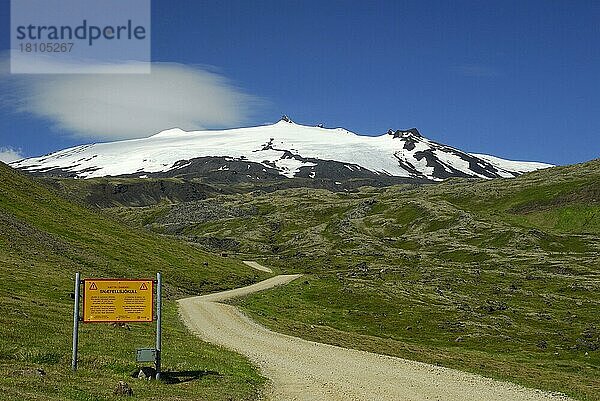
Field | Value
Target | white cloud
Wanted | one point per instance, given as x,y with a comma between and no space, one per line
8,155
119,106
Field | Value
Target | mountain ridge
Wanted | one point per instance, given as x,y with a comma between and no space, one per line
276,151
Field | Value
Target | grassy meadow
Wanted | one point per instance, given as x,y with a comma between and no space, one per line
44,240
495,277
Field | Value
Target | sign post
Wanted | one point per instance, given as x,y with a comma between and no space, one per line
75,323
158,324
119,301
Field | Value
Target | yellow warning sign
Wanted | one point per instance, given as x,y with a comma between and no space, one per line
114,300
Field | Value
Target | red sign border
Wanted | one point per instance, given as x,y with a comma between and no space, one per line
152,282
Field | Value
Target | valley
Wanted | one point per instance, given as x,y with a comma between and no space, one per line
493,277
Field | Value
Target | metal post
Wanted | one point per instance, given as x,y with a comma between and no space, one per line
158,324
75,323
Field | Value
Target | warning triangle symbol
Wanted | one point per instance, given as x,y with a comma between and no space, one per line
143,286
93,286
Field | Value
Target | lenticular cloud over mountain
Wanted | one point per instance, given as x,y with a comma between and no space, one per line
124,106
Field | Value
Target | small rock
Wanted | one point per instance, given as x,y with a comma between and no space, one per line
146,373
123,389
121,325
459,339
39,372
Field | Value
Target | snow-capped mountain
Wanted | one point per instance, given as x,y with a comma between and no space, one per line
284,149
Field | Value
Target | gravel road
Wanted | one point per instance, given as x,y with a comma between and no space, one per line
301,370
257,266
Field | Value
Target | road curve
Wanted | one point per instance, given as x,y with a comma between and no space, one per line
301,370
257,266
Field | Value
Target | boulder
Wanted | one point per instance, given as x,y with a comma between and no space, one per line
123,388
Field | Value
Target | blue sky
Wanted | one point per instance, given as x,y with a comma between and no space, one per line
516,79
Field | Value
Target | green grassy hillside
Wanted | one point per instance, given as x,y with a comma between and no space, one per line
44,240
496,277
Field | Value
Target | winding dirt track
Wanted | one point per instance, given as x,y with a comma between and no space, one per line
257,266
307,371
